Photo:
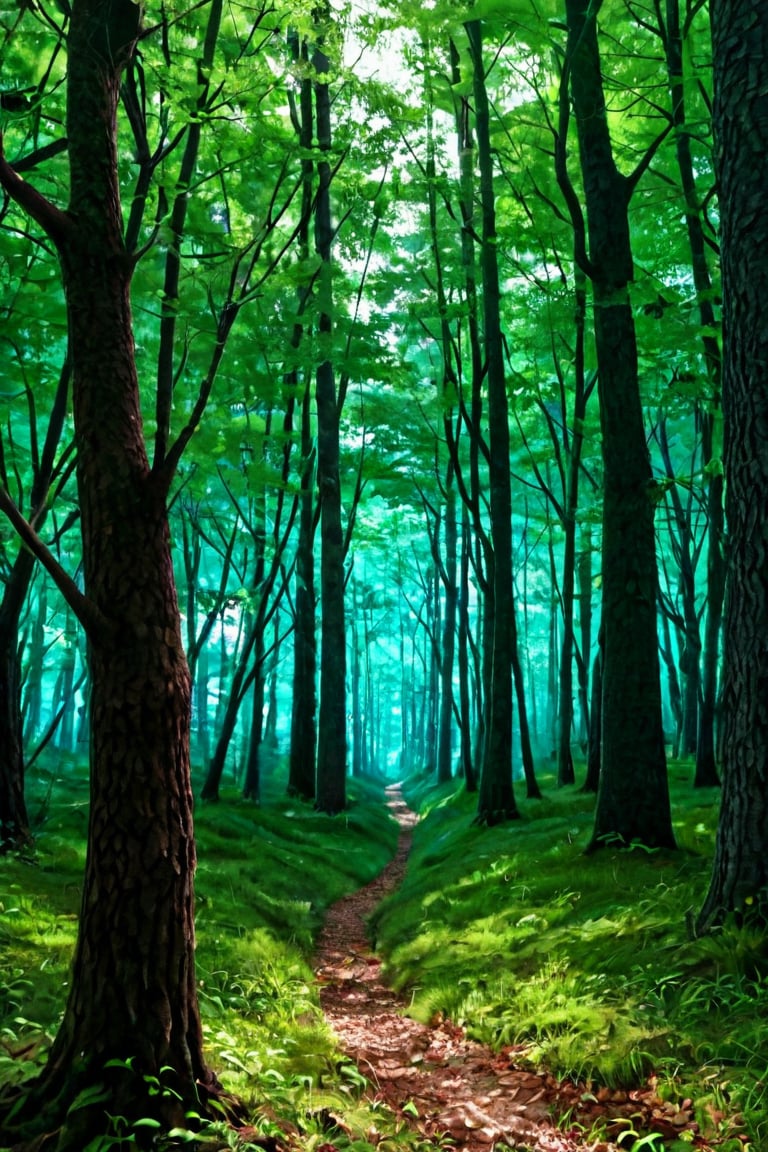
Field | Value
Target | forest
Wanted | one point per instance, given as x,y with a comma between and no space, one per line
383,476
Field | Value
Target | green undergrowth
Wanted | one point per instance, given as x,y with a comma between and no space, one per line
584,964
266,876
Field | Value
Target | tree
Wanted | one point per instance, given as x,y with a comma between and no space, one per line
332,714
496,801
740,47
133,1000
14,823
633,796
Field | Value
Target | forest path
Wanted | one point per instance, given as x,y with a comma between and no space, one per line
457,1087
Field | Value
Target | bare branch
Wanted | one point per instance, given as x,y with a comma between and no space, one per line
97,626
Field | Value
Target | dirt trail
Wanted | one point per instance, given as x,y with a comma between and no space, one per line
458,1087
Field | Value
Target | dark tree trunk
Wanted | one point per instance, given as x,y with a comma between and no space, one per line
252,782
303,752
684,550
496,800
14,822
706,761
132,991
553,663
231,705
673,681
740,47
448,647
432,664
592,779
532,790
35,661
573,445
332,717
357,712
301,772
63,697
584,571
633,799
467,767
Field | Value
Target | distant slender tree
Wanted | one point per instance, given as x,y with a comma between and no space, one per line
740,120
14,823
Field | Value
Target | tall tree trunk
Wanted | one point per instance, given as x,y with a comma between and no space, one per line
673,682
357,708
252,781
14,822
133,992
740,45
553,676
448,646
332,718
63,699
584,572
684,551
633,798
35,662
574,443
303,751
592,779
466,761
706,760
496,800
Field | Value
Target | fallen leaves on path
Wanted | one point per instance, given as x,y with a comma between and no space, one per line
445,1084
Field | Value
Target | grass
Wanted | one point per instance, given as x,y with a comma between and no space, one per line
584,964
266,876
581,964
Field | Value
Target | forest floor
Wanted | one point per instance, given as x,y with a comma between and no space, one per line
444,1084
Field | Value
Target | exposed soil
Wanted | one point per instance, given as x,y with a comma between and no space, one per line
450,1085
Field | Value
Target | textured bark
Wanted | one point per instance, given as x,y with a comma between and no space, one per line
252,780
301,771
132,991
496,801
740,49
303,751
466,762
592,779
448,646
14,821
472,495
706,762
573,444
684,550
35,658
584,573
332,716
633,798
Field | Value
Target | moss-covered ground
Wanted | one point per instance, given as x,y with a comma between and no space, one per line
266,876
582,964
585,964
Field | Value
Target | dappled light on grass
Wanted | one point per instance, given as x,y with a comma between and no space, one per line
266,875
580,966
583,965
